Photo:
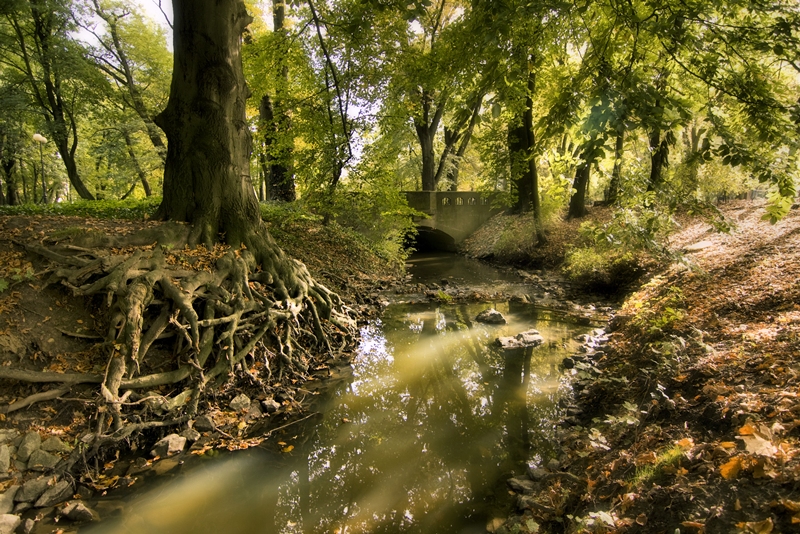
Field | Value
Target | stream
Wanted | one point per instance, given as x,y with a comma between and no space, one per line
421,438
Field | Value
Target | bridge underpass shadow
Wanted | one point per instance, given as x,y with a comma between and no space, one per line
432,240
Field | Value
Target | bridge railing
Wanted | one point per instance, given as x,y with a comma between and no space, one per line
432,201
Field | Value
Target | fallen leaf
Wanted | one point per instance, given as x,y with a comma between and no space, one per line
737,505
641,519
685,443
646,458
755,444
757,527
792,506
695,524
728,444
730,469
747,430
290,448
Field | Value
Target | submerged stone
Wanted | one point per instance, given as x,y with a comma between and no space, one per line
523,340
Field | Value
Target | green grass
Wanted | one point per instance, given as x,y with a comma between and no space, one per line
133,209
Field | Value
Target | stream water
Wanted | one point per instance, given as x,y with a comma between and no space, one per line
421,439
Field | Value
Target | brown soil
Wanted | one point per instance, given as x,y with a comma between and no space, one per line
44,328
688,420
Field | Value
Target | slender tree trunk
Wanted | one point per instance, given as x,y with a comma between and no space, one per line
280,183
577,202
60,123
462,137
693,158
659,150
278,174
139,172
616,173
425,137
533,173
24,182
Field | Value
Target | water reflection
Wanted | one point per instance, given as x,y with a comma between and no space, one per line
435,419
436,416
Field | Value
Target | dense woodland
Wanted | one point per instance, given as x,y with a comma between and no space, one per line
643,105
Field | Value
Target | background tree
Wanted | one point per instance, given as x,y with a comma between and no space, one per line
36,46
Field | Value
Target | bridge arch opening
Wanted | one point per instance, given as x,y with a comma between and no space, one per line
432,240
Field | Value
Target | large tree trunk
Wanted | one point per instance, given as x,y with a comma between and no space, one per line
207,177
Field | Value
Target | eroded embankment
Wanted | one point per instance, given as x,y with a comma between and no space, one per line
687,420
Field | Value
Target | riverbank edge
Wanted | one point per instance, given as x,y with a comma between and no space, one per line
685,420
43,327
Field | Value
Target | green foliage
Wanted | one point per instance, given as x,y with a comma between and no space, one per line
287,223
661,313
602,270
134,209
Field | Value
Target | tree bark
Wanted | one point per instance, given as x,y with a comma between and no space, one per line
206,176
577,202
139,172
278,175
426,127
616,173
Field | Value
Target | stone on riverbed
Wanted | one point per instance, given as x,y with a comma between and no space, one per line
5,458
523,340
9,523
31,442
7,500
172,444
240,403
490,316
57,494
32,489
77,511
42,461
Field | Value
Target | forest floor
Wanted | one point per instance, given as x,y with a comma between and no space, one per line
686,414
43,327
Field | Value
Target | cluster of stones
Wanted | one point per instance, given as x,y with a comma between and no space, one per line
28,462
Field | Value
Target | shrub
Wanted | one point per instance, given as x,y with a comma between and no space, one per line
132,209
602,271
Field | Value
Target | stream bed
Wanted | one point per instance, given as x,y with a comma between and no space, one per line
420,439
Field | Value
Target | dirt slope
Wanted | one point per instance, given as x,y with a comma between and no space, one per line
688,418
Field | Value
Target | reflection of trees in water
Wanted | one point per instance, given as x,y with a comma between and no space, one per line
420,446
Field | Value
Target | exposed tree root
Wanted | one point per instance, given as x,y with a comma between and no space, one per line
244,309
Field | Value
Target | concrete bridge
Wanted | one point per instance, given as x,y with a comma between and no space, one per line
451,216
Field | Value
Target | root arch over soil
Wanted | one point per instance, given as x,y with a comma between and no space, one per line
222,314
